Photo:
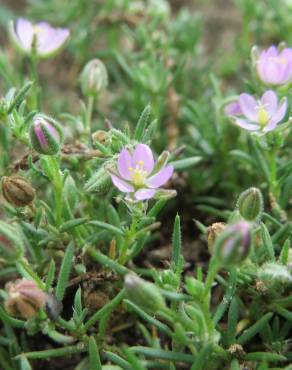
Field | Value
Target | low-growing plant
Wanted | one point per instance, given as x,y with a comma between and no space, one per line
122,245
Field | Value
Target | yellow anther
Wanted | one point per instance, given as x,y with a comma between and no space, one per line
279,60
263,116
141,163
130,168
37,29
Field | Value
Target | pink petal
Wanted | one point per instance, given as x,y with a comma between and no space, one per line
52,40
272,72
143,153
272,51
270,101
278,116
248,106
144,194
160,178
246,125
232,109
122,185
124,164
24,31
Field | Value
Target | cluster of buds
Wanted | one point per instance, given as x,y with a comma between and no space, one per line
17,191
45,135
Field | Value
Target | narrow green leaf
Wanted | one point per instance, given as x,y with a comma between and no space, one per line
176,241
64,272
68,225
142,123
104,225
94,358
185,163
254,329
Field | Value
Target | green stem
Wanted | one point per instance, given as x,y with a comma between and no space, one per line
88,118
34,77
127,241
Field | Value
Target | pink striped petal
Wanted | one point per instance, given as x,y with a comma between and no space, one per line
269,101
160,177
278,116
246,125
24,31
248,106
143,153
144,194
122,185
124,164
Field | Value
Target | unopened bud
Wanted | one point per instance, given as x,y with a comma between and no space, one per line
11,245
250,204
45,135
233,244
161,161
143,293
212,233
254,54
93,78
17,191
25,299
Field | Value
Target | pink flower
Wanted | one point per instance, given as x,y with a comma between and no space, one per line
232,109
137,175
41,38
274,67
261,115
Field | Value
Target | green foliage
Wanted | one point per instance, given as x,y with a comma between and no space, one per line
138,286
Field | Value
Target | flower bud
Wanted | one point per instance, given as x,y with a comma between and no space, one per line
45,135
17,191
143,293
233,245
93,78
11,245
250,204
212,232
25,299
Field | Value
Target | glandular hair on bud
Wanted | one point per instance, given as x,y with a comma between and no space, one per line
45,135
11,243
17,191
144,294
212,233
250,204
93,77
233,244
25,298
